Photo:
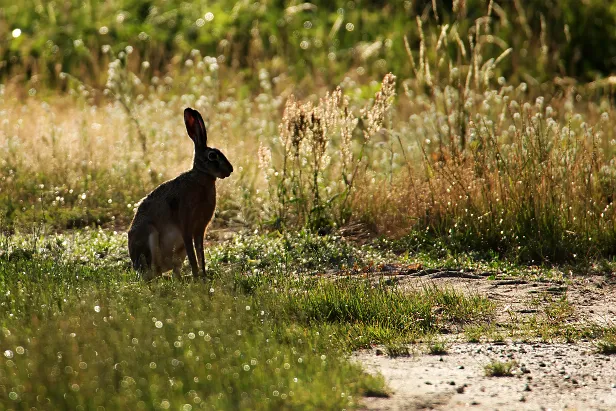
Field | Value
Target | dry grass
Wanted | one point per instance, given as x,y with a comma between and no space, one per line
457,155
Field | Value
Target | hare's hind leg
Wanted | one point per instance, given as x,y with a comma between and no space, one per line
139,252
155,253
144,251
177,271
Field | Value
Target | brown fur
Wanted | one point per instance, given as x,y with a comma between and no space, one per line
170,222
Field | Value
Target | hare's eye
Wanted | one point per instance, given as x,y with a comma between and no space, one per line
211,156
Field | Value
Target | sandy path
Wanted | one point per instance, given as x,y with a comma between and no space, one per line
547,377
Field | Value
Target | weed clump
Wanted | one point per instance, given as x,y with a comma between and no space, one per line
437,348
500,369
314,180
607,345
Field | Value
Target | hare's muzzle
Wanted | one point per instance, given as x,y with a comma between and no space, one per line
227,171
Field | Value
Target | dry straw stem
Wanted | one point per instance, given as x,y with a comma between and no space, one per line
383,100
407,47
442,38
459,41
422,48
502,15
488,15
522,18
459,6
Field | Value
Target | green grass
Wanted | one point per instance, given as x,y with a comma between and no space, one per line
500,369
80,329
437,348
607,345
133,345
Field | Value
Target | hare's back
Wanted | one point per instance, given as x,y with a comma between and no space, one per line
160,206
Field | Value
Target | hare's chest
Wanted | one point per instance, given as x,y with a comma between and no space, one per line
202,216
201,208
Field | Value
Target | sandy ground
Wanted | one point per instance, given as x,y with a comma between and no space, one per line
548,376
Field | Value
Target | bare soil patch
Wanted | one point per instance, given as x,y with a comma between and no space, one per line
592,298
547,375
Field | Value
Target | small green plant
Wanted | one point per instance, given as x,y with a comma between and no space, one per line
437,348
559,311
500,369
397,350
607,345
473,333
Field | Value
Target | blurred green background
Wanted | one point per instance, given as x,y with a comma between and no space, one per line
323,40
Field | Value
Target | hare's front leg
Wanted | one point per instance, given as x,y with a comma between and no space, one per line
190,253
199,236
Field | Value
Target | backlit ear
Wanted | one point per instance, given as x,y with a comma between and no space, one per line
195,127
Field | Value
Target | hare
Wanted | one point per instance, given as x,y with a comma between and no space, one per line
170,222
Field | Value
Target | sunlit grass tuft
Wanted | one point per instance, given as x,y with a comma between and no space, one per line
500,369
607,345
437,348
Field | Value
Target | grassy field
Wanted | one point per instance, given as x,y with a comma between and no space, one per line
472,135
80,330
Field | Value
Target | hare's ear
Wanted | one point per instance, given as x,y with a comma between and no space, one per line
195,127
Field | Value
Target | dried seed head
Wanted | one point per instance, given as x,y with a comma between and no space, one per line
383,99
